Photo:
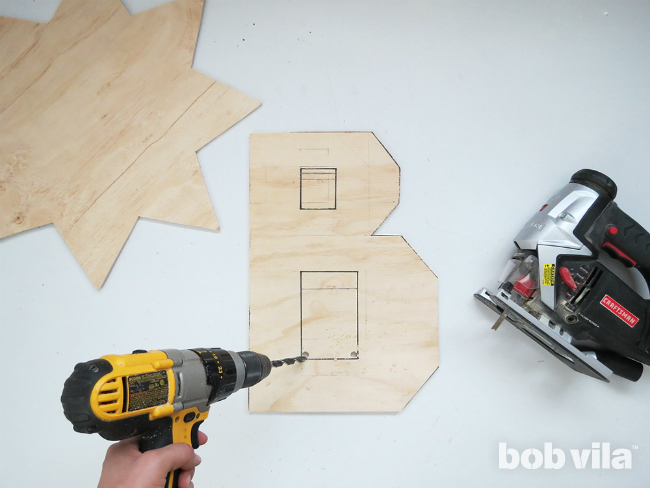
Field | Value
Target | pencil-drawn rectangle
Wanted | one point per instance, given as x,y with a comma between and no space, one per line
318,188
329,309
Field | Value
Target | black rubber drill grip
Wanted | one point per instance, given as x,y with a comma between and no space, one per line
160,436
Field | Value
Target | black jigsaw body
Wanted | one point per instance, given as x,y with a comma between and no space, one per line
557,292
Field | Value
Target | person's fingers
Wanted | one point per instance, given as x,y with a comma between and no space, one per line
174,456
193,463
185,479
202,438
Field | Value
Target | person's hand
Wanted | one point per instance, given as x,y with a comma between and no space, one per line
126,467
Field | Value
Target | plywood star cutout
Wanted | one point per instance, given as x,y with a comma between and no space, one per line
101,115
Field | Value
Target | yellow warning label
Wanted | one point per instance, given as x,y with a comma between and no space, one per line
549,275
147,390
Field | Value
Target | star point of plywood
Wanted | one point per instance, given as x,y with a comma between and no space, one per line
101,115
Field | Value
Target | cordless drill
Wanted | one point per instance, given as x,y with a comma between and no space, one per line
161,396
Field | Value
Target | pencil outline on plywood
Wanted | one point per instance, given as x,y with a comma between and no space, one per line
353,354
318,170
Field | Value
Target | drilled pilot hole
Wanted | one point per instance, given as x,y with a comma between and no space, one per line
305,353
354,354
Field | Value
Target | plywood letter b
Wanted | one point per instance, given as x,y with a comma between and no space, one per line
364,307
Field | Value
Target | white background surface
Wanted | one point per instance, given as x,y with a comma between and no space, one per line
488,108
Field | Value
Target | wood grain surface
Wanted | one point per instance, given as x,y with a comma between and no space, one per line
364,307
101,115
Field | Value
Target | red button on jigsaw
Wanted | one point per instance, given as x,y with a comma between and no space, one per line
565,274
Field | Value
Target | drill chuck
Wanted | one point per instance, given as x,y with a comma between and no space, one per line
257,367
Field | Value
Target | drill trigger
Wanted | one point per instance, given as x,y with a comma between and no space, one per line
194,436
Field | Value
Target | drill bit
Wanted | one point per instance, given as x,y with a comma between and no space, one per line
280,362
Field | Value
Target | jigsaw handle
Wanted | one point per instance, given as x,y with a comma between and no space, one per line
624,239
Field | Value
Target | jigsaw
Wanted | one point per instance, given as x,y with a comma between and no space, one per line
556,291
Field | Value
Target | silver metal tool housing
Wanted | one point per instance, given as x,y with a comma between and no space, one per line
192,389
550,231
